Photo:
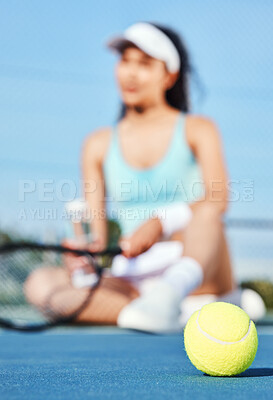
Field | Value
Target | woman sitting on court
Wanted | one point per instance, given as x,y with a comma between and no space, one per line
160,172
159,158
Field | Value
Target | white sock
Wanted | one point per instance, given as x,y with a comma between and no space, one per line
160,256
184,276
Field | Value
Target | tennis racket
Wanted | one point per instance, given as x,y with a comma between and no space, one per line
44,285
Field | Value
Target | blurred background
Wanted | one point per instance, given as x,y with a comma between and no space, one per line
57,85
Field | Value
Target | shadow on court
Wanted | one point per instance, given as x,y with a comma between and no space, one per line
256,372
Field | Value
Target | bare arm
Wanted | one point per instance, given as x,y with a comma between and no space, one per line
94,189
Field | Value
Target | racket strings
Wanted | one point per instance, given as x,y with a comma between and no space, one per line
22,269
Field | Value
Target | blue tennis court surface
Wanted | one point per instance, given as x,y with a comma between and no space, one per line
107,363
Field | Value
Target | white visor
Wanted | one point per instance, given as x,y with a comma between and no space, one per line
152,41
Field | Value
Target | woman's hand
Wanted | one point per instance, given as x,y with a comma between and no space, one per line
73,262
142,239
98,244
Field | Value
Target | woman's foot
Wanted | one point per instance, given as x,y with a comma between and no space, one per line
155,312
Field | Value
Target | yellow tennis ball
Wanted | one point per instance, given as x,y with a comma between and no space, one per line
220,339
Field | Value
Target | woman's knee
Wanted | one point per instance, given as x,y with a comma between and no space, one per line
204,214
39,284
207,214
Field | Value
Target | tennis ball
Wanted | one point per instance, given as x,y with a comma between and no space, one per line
220,339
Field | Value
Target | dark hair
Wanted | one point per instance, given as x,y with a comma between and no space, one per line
178,95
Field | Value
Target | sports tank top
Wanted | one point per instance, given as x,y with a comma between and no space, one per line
133,194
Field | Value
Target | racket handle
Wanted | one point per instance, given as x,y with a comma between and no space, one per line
80,279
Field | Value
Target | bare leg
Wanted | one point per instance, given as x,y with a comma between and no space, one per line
107,302
51,286
204,239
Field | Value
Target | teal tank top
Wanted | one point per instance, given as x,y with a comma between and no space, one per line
133,194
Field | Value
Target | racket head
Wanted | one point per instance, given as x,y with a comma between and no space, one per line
37,289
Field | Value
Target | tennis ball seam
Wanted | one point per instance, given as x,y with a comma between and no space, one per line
208,336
